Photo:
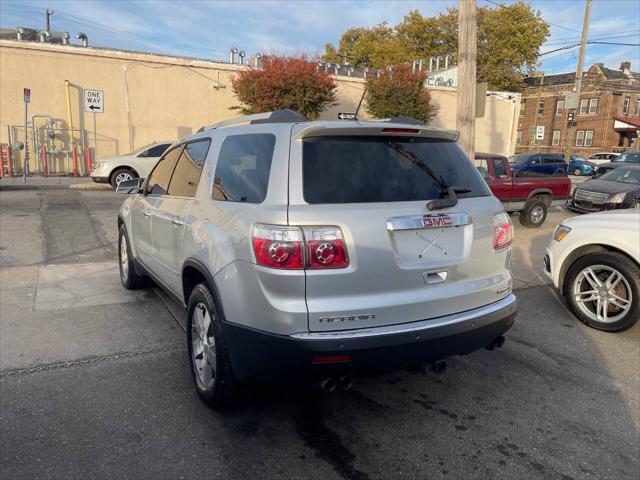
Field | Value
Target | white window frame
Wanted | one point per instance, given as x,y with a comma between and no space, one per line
523,106
593,106
625,105
555,140
559,107
541,104
638,107
580,138
584,106
588,138
519,137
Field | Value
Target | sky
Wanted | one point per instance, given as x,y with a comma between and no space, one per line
208,29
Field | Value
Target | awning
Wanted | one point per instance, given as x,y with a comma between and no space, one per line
623,123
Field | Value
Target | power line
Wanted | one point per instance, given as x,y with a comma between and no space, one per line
555,25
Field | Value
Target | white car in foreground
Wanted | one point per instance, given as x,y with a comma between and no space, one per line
594,261
137,164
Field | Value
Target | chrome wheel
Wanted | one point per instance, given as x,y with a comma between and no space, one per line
121,177
636,204
602,293
203,346
577,173
124,260
537,214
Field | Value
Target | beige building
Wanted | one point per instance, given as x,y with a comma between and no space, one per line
150,97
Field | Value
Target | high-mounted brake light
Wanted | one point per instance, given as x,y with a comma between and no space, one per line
288,247
400,130
502,231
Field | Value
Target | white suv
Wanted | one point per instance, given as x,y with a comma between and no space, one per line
315,250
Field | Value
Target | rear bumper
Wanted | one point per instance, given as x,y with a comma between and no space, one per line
257,355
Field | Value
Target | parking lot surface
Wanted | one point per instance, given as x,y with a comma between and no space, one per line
95,382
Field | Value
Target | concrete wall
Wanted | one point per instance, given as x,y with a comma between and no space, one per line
152,97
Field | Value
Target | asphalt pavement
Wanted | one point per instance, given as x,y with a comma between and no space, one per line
95,382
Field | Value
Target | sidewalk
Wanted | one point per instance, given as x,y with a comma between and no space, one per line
77,183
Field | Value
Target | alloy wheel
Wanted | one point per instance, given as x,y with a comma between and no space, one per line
124,260
602,293
203,346
537,213
121,177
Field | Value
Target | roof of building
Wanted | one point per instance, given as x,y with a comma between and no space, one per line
549,80
611,74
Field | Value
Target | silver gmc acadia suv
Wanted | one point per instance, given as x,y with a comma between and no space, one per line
320,249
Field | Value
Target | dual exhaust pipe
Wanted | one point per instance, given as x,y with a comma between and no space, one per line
331,384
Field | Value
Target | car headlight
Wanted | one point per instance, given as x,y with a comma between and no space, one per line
97,165
560,232
617,198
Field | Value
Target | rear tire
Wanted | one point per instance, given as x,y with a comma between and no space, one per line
559,173
625,291
120,175
211,370
129,277
534,213
577,172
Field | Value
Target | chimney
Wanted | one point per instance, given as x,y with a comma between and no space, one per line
625,67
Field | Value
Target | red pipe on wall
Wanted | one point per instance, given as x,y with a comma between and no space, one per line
45,171
87,161
1,162
9,158
74,156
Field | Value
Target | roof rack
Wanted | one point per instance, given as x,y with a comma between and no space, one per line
403,119
277,116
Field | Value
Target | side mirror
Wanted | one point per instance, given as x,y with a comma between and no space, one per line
127,187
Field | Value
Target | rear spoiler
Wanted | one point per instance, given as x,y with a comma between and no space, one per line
376,128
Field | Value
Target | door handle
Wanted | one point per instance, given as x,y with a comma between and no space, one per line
147,213
177,221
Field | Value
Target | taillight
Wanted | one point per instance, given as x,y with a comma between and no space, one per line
325,248
278,247
400,130
287,247
502,231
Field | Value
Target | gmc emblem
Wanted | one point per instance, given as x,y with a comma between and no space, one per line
437,220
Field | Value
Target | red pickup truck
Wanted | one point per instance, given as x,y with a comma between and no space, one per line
531,196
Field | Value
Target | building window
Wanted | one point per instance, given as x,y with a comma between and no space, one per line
559,107
584,106
519,137
593,106
522,104
580,138
555,141
625,106
637,108
541,108
588,138
533,136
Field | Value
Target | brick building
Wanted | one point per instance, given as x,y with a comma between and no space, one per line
608,113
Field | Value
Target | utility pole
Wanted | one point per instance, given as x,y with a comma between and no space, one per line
537,106
466,102
577,87
47,22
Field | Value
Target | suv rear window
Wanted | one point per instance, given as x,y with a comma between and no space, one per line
363,169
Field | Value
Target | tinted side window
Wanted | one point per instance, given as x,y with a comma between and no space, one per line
242,172
363,169
186,175
499,167
158,183
157,150
481,165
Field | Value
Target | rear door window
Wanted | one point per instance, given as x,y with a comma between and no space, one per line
158,183
186,175
242,171
364,169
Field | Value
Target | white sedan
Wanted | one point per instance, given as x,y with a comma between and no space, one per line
136,164
594,261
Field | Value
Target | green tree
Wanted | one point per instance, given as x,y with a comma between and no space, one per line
292,82
509,40
399,91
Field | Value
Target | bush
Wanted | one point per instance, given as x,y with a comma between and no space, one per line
293,82
399,91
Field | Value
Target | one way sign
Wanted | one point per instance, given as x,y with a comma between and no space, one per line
94,101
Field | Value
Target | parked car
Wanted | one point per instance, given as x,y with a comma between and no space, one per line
579,166
317,250
594,261
621,160
602,157
136,164
531,196
616,189
538,165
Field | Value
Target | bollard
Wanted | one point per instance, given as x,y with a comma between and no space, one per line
87,161
45,170
74,156
9,161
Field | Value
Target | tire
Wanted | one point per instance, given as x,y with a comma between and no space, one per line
620,316
559,173
635,204
577,172
215,384
534,213
129,277
120,175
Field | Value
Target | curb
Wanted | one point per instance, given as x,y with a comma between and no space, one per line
81,187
